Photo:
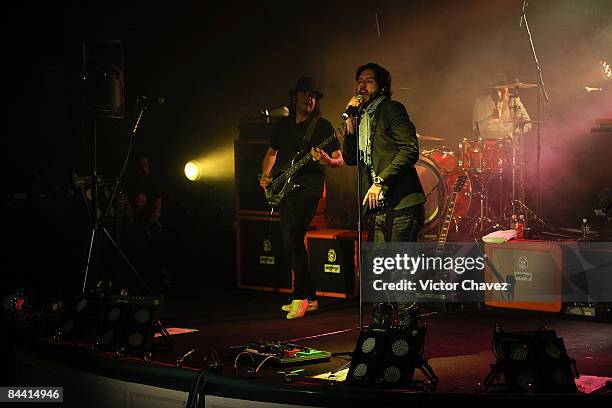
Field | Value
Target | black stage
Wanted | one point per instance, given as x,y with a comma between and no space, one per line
458,347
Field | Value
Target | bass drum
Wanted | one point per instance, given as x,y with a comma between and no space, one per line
435,190
438,185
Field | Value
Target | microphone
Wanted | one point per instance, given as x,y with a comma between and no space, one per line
523,13
151,100
351,111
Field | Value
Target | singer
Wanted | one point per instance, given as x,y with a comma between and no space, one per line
301,131
388,151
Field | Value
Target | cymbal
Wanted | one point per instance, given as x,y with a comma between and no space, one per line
429,138
515,85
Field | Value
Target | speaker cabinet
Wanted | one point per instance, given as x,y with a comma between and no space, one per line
333,257
532,270
103,78
248,155
261,261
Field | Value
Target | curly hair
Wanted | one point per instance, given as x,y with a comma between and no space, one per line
381,75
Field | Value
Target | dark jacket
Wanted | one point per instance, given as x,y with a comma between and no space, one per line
395,150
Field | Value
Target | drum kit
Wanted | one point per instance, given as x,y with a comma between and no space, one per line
490,166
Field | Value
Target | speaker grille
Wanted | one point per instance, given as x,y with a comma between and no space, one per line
360,370
552,350
400,348
368,345
518,352
392,375
142,316
135,339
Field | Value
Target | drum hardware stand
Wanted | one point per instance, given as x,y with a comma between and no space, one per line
484,213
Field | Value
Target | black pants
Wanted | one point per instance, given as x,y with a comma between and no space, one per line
399,226
295,216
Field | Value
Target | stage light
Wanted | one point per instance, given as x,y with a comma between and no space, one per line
389,357
193,170
531,362
129,325
218,164
81,318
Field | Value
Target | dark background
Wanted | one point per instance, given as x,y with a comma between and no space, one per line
215,62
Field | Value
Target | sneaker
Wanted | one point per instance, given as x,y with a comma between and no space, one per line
298,309
313,305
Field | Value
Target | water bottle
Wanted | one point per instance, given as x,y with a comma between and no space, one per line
514,222
520,227
585,229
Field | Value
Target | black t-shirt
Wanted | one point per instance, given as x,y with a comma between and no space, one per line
288,138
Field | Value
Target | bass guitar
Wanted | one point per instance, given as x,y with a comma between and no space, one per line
283,180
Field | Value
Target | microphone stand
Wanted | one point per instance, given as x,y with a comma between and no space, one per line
97,224
541,89
359,195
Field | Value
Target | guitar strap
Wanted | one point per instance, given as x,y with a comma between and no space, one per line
310,131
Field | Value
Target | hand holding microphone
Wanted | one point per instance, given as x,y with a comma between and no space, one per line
352,108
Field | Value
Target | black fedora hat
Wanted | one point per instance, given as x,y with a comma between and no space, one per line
306,84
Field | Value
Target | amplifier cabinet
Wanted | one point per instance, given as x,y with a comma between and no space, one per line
533,271
248,155
333,256
260,259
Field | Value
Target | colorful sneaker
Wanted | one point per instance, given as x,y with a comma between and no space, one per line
313,306
298,309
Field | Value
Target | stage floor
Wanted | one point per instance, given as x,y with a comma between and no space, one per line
457,343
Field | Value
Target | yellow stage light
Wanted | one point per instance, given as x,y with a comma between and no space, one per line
193,170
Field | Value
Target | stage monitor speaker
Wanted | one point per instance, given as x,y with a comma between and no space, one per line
532,362
387,357
129,325
532,270
333,262
261,261
103,78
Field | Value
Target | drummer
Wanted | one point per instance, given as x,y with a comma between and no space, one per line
496,113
